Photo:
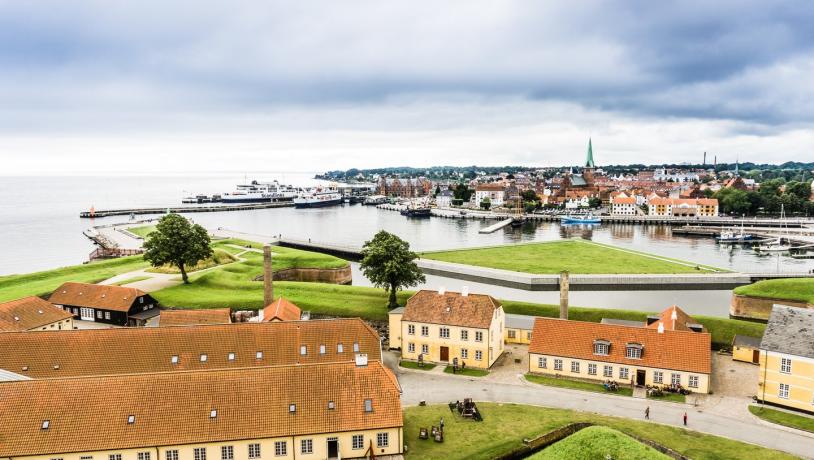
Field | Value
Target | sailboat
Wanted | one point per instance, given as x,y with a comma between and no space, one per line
729,236
518,220
777,245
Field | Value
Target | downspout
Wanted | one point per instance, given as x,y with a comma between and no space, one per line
765,371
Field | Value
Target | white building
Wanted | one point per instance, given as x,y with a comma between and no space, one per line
494,191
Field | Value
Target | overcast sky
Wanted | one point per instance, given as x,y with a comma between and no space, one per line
199,86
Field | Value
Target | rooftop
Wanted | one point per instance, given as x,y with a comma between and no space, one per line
282,310
193,317
451,308
106,297
790,330
29,313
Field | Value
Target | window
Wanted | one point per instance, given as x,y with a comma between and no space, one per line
99,314
254,450
280,448
425,331
258,355
199,453
542,363
143,456
131,419
368,405
675,379
322,349
411,329
174,359
171,455
443,332
512,334
204,358
464,353
607,371
292,408
358,441
340,348
46,424
382,440
557,364
86,457
411,348
601,347
478,336
575,367
107,315
478,355
303,350
307,446
356,347
331,405
783,392
591,369
633,351
464,334
658,377
785,365
693,381
227,452
528,335
213,413
624,373
114,457
230,357
425,349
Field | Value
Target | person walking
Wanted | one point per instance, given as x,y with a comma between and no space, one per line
442,424
685,419
647,413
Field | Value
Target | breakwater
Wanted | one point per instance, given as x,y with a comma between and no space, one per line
183,209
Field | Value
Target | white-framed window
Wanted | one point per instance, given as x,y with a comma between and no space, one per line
633,351
358,441
171,454
464,334
464,353
425,331
340,348
411,329
199,453
557,364
785,365
591,369
114,457
204,358
658,377
368,405
280,448
254,451
511,333
258,355
624,373
478,336
356,347
230,357
174,359
99,314
107,315
227,452
322,349
478,355
783,392
410,348
303,350
575,367
425,349
542,363
382,440
601,348
307,446
607,371
675,379
143,456
693,381
443,332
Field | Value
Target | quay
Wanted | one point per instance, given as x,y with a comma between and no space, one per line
183,209
497,226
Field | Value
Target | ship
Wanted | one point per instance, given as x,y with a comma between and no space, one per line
373,200
260,192
318,197
416,212
586,219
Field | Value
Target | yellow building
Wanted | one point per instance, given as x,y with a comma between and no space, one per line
258,413
786,375
746,349
445,327
518,329
626,354
33,314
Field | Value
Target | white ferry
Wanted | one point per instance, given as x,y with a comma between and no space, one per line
260,192
318,197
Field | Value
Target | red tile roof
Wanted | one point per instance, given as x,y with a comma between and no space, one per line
679,324
193,317
676,350
105,297
281,310
29,313
490,187
451,308
624,200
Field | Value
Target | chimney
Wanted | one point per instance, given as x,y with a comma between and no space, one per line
564,295
464,291
442,290
268,277
361,359
661,328
674,317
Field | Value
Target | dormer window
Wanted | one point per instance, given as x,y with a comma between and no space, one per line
231,357
634,351
601,347
292,408
356,347
46,424
174,359
322,349
303,350
368,405
340,348
131,419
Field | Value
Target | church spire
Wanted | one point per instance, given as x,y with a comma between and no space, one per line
589,161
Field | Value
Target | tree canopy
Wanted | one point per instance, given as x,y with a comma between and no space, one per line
177,242
388,263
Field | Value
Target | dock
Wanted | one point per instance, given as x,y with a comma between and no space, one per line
497,226
183,209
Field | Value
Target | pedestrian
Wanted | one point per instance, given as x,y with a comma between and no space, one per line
685,419
647,413
442,424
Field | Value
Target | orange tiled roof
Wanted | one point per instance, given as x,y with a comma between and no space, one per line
281,310
106,297
490,187
677,350
250,404
138,350
29,313
451,308
680,323
193,317
624,200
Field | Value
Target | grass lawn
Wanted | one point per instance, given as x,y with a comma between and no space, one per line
142,231
801,422
131,280
575,256
673,397
505,425
414,365
599,443
801,289
219,257
467,372
44,282
564,382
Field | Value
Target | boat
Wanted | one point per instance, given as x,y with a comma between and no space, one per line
518,220
777,244
375,200
586,219
318,198
260,192
417,212
729,236
196,199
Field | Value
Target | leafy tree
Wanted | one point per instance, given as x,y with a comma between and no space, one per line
462,192
529,195
486,203
388,263
801,190
594,203
177,242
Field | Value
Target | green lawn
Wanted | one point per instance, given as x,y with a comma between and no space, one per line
142,231
575,256
599,443
800,289
672,397
506,425
219,257
565,382
800,422
414,365
44,282
469,372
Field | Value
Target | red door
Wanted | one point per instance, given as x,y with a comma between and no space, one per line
444,353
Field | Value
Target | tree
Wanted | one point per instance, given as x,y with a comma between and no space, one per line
462,192
177,242
388,263
486,203
594,203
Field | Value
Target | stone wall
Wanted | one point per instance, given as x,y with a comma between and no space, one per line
758,308
314,275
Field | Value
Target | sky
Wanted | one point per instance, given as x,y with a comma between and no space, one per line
201,86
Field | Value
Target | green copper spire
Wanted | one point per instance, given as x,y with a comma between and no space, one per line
589,162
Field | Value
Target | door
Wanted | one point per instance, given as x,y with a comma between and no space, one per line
444,353
755,356
86,314
640,376
333,448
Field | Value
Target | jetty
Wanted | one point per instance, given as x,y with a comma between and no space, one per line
183,209
497,226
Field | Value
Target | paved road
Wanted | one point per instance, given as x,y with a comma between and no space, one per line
443,388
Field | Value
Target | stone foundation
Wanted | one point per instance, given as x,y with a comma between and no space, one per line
758,308
314,275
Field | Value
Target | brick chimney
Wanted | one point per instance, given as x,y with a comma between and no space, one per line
268,277
563,295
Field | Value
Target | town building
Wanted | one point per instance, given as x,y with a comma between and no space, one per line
404,187
314,411
678,207
280,310
110,351
118,305
518,328
746,349
33,314
195,317
786,376
624,206
626,354
494,191
448,327
444,199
